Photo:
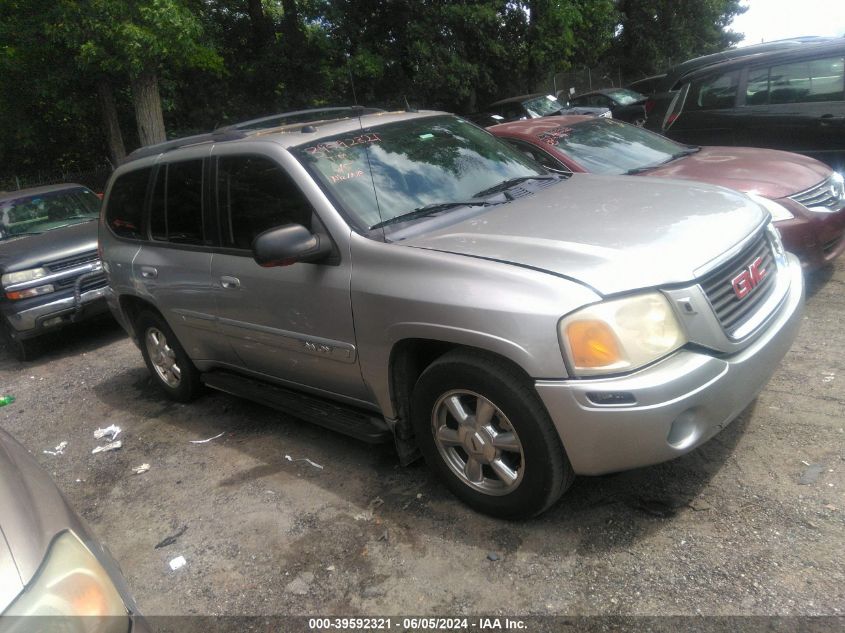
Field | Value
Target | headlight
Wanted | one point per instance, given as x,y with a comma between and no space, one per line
23,276
71,582
620,335
838,184
14,295
777,244
778,211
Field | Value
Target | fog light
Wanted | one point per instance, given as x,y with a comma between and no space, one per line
52,321
685,430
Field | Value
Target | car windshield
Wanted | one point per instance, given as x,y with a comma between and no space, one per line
543,106
607,146
378,174
30,215
624,97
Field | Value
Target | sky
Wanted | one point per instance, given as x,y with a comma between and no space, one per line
768,20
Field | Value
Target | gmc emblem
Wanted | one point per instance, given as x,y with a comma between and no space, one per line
748,279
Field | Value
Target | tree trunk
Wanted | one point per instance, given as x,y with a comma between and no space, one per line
148,109
117,151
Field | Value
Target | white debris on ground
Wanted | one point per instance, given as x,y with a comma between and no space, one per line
110,432
206,440
108,447
141,469
178,563
303,459
59,450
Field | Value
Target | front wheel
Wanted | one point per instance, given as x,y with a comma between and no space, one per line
22,349
168,363
482,428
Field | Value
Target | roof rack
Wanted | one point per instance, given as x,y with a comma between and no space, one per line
244,128
302,116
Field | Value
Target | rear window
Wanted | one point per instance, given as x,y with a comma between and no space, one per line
126,204
176,214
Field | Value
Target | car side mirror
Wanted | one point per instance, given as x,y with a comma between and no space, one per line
288,244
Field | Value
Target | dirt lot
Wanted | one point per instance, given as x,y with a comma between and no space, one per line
729,529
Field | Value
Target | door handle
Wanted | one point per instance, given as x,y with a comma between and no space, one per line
827,119
148,272
230,282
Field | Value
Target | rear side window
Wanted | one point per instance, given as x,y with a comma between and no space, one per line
808,81
176,213
715,92
255,194
126,204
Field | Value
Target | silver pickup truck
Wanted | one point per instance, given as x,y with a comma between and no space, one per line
408,276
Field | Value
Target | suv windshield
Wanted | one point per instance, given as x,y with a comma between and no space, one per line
543,106
378,174
607,146
35,214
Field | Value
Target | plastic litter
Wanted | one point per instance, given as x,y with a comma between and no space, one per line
492,556
303,459
59,450
141,469
178,563
4,400
811,474
111,432
108,447
170,540
206,440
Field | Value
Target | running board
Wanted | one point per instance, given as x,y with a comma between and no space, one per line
358,423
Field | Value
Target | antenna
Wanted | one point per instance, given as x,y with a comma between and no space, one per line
351,81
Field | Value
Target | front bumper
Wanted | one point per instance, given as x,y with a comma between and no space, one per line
678,403
34,320
816,238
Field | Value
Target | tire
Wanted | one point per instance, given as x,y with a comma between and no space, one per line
166,360
510,463
22,349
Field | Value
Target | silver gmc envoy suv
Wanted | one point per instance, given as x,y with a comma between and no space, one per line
407,276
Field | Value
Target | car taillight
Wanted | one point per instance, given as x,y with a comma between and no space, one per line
671,119
649,105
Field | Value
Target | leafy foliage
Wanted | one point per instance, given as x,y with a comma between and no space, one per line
217,61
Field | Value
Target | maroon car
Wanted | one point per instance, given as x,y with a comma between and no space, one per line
805,197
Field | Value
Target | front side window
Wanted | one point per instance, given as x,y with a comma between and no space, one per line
715,92
125,208
608,146
255,194
176,212
30,215
381,173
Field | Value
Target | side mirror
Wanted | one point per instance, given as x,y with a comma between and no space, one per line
288,244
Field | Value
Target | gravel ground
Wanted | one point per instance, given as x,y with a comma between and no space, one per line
728,529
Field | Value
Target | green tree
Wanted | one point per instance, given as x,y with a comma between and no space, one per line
138,39
656,34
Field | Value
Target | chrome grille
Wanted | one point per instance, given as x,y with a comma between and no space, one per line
823,195
92,283
71,262
732,311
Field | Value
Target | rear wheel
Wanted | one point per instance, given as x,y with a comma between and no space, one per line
166,360
482,428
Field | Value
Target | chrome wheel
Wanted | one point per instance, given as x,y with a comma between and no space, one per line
477,442
163,358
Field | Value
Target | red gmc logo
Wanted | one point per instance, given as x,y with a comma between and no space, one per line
748,279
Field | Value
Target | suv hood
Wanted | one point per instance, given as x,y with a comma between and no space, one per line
35,250
612,233
768,172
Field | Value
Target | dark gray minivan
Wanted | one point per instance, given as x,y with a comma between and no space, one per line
791,100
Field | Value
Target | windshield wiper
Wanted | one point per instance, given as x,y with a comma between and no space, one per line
512,182
430,209
675,156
